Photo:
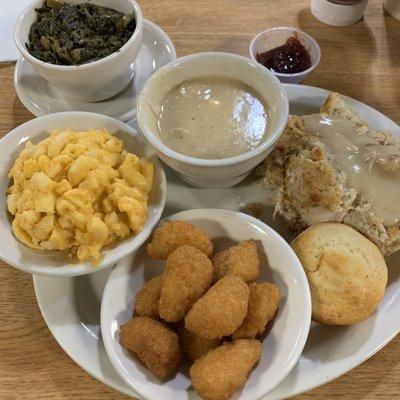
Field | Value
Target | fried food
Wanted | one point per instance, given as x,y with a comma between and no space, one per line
173,234
156,346
221,310
241,260
187,276
263,302
195,346
148,298
218,374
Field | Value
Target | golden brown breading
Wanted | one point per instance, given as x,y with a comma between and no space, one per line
147,299
153,343
195,346
173,234
218,374
221,310
241,260
263,302
187,276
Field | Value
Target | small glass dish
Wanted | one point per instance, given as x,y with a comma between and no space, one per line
275,37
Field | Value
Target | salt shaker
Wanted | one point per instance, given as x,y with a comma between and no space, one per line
338,12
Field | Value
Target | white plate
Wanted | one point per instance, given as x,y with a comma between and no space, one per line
41,98
280,349
329,353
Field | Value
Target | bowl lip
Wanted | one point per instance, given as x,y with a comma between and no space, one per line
207,162
71,270
303,330
313,42
69,68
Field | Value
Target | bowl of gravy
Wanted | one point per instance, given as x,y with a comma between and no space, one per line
212,117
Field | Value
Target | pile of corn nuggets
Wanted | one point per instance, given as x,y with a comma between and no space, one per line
207,309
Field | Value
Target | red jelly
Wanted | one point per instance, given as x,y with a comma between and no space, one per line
289,58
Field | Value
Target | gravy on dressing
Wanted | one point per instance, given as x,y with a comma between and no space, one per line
372,168
212,118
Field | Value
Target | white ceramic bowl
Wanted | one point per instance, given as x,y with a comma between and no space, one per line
275,37
93,81
54,263
280,348
224,172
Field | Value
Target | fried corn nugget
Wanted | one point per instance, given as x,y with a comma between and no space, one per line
218,374
194,346
156,346
148,298
263,303
241,260
173,234
221,310
187,276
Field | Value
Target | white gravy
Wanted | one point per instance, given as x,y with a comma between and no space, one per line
372,168
212,118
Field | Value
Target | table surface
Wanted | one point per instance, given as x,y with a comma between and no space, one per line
361,61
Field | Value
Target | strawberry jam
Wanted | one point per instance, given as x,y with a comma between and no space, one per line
289,58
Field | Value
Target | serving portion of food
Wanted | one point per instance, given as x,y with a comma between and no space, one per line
207,310
212,117
289,58
346,272
74,34
214,318
291,54
85,49
78,191
332,167
337,177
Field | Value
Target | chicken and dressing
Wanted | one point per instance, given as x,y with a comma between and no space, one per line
332,167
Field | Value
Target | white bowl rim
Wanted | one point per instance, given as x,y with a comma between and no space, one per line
306,322
25,53
207,162
71,270
313,42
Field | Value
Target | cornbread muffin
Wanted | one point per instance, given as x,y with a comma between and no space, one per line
346,272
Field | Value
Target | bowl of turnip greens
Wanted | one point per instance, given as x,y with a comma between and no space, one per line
85,48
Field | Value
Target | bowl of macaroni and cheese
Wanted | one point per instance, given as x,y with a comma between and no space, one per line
82,191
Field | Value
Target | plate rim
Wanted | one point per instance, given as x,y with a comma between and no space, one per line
125,390
129,392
